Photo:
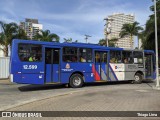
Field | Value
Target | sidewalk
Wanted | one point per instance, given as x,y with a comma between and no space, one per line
5,81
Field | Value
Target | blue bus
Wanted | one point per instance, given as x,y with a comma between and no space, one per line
37,62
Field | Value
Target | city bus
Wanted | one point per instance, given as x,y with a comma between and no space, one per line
37,62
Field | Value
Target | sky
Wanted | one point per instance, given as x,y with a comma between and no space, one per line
73,18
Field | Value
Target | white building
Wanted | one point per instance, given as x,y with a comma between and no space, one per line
118,19
31,27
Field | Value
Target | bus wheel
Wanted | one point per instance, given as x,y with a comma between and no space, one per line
137,78
76,81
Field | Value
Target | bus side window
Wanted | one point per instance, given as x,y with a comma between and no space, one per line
70,54
115,57
138,57
28,52
127,57
24,52
85,55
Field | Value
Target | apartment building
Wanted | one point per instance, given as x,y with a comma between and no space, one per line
118,19
31,27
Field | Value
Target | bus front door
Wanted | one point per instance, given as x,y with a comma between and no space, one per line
101,65
148,65
52,61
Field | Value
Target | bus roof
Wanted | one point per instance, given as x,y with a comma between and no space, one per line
74,44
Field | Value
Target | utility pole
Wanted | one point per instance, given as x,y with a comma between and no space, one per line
87,37
156,46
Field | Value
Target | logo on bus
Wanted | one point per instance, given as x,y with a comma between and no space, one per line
67,66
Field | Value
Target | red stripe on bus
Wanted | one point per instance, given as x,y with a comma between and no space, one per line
96,75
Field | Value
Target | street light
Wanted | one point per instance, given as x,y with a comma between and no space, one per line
156,45
87,37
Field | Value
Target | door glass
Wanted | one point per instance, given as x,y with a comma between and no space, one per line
103,57
148,64
48,57
55,56
97,57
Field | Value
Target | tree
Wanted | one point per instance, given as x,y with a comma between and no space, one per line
148,39
46,36
102,42
21,34
8,33
67,40
130,29
112,42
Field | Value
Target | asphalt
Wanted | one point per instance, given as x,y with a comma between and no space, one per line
116,96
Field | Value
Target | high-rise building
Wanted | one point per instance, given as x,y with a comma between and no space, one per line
31,27
117,21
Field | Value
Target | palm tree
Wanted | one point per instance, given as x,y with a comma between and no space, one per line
6,36
46,36
21,34
112,42
130,29
8,33
67,39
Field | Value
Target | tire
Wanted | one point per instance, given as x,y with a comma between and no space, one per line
76,81
138,78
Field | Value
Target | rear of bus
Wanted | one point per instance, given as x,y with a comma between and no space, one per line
23,69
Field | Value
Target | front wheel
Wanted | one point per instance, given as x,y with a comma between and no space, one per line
138,78
76,81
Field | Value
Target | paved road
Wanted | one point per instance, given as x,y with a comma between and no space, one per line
93,97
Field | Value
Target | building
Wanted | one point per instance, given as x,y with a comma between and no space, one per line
31,27
117,21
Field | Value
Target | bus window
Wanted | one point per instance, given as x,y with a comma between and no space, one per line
70,54
104,57
36,52
29,52
127,57
97,57
85,55
115,57
138,57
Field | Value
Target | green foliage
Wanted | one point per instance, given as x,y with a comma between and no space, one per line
111,42
46,36
130,29
69,40
148,35
8,33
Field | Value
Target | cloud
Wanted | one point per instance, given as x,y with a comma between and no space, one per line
70,18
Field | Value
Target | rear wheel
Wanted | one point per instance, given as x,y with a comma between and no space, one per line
138,78
76,81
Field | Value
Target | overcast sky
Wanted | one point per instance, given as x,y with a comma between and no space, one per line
73,18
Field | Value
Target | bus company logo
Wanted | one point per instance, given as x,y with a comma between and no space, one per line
67,66
117,67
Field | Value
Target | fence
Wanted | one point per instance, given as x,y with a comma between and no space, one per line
4,67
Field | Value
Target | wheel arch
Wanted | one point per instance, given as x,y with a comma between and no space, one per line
140,72
78,72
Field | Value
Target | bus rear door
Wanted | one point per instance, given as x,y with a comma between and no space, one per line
101,65
52,65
